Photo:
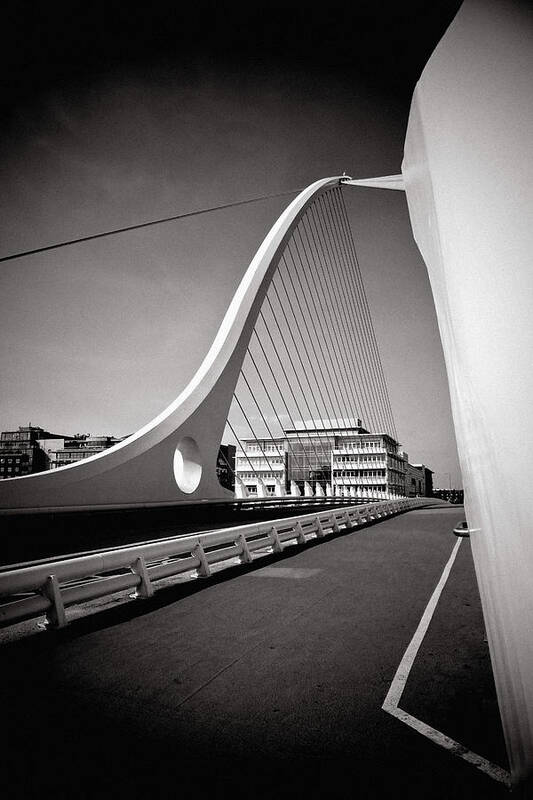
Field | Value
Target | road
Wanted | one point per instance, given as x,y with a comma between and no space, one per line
265,681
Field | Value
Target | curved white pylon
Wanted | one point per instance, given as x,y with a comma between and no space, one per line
173,458
469,183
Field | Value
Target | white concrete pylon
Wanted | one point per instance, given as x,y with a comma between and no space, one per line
469,186
295,490
319,490
261,488
308,489
280,488
329,490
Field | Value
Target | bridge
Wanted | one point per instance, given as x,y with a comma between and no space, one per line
269,678
293,382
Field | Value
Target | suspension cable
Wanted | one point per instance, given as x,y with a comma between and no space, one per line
369,362
297,379
140,225
367,313
338,342
249,352
291,420
230,426
348,328
261,413
339,374
310,338
253,432
324,451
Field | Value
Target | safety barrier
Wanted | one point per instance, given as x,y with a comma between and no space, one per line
51,587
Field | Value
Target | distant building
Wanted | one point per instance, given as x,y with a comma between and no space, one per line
414,481
419,481
22,453
80,447
328,458
368,464
226,466
309,450
261,466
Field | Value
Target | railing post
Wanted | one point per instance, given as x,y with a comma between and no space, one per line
276,544
335,524
354,518
246,556
300,536
145,588
55,616
319,529
204,570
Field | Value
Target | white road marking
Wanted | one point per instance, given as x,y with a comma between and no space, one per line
402,673
284,572
392,700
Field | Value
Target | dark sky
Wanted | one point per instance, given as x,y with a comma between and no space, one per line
383,44
114,115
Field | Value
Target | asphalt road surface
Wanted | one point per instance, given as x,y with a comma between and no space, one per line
264,681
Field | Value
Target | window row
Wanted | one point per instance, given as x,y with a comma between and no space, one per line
360,473
242,461
267,448
252,489
365,458
262,475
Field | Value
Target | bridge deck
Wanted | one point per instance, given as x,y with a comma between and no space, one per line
266,681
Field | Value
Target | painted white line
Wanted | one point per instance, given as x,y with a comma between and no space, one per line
392,700
481,763
402,673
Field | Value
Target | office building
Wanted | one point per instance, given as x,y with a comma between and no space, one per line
419,481
22,451
309,451
368,464
326,458
80,447
261,467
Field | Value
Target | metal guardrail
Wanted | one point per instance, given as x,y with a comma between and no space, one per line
242,502
51,587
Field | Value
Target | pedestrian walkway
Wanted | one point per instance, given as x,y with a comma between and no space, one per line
266,681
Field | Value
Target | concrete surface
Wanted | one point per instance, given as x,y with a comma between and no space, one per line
265,681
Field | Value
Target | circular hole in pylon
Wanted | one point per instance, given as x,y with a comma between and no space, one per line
187,465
